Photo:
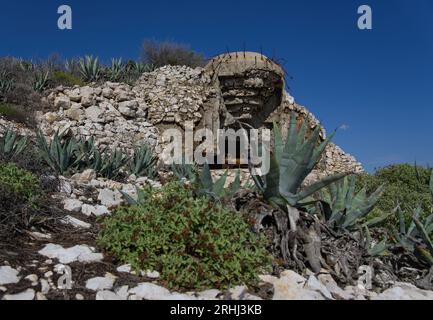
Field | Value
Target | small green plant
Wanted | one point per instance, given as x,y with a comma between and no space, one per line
41,81
90,69
290,164
20,182
115,72
193,243
12,145
344,208
143,162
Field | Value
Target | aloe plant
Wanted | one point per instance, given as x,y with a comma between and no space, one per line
60,154
115,72
90,69
344,208
12,145
143,162
289,165
41,80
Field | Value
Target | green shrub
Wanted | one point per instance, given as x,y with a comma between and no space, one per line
66,79
193,243
405,183
160,54
20,182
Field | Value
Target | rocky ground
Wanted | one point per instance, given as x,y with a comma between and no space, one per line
65,264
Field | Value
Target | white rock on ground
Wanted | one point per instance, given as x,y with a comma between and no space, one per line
404,291
110,198
237,293
108,295
88,210
72,205
290,286
126,268
100,283
101,210
76,222
210,294
81,253
8,275
150,291
316,285
333,287
151,274
29,294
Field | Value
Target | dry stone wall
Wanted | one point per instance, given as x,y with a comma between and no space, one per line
117,114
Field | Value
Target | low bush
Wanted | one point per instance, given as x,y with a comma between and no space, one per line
17,114
193,243
61,78
160,54
25,202
404,183
20,182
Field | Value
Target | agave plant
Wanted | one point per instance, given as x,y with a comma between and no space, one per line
60,154
205,186
108,164
344,208
375,249
290,164
115,72
143,162
416,237
12,145
140,68
26,65
41,80
185,171
6,82
90,69
71,66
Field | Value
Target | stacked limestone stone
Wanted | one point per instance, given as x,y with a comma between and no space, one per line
121,115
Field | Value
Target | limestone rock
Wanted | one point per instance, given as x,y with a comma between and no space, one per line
81,253
29,294
8,275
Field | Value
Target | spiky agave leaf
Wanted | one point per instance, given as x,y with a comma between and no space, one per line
143,162
12,145
291,162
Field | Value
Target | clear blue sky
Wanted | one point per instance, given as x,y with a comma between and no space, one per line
378,83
